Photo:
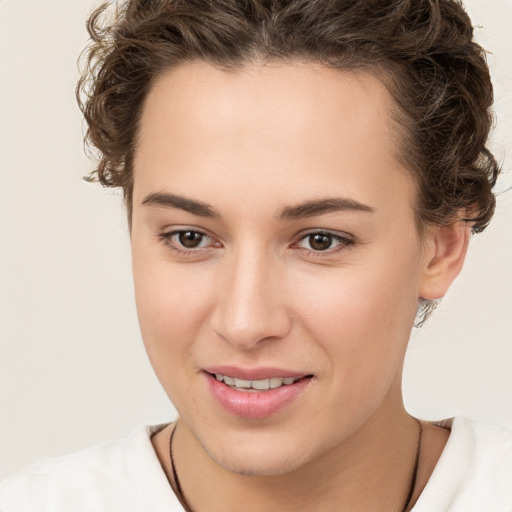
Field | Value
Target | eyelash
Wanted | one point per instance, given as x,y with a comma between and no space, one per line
166,239
344,243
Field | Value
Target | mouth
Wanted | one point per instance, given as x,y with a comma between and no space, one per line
257,385
255,394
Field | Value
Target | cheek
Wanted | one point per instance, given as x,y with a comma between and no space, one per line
171,309
362,316
172,304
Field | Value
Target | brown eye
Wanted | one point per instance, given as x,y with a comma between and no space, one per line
324,242
190,239
189,242
320,241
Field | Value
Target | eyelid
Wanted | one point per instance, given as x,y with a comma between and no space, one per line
203,244
166,238
173,230
345,242
329,232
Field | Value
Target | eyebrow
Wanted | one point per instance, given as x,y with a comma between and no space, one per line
300,211
322,206
183,203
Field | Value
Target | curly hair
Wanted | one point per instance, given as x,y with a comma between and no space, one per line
422,50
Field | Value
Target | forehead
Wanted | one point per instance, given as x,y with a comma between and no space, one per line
299,127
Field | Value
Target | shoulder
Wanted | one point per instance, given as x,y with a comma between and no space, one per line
492,458
123,475
487,448
474,472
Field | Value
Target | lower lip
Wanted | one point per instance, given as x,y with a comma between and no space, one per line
255,404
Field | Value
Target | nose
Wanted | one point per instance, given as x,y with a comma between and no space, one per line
251,305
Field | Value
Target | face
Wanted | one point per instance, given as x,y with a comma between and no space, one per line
274,238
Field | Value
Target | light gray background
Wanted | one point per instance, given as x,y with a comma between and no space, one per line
73,371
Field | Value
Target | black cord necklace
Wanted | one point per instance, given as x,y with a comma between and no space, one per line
178,491
414,475
412,485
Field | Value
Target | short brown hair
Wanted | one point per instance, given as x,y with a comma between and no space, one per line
422,50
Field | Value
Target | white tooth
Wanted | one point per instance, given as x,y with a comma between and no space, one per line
276,382
261,384
288,380
218,376
229,380
241,383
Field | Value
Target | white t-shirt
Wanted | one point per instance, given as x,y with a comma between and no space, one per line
474,474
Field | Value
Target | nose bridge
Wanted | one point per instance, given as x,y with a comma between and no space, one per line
250,307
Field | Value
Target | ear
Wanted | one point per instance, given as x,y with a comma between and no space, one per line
445,253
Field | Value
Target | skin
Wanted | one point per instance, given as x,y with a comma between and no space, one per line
255,292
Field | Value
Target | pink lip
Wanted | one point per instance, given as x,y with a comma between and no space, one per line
255,404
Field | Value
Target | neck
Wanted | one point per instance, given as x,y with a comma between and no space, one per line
370,470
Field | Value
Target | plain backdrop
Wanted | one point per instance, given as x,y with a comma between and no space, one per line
73,371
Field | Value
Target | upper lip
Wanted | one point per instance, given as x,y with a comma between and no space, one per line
260,373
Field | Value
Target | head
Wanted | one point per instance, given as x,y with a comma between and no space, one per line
234,128
423,52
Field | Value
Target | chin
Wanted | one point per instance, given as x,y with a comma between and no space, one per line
260,466
258,459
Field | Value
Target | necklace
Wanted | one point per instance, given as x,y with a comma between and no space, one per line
412,484
177,487
414,475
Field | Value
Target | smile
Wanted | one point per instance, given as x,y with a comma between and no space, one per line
255,394
256,385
